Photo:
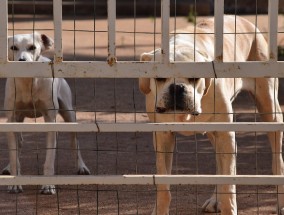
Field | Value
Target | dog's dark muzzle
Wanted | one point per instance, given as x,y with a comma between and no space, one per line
177,101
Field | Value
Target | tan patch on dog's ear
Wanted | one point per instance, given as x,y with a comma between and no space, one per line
144,85
146,57
46,41
208,82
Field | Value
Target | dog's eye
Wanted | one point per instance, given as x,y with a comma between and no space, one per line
32,48
14,48
161,79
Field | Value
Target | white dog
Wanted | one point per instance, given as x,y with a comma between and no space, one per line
195,100
35,97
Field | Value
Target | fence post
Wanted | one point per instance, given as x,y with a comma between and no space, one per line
3,32
165,16
273,27
57,20
111,5
218,25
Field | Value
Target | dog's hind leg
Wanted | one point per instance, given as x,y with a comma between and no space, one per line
266,94
68,114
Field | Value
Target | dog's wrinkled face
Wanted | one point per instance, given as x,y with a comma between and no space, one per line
28,47
179,95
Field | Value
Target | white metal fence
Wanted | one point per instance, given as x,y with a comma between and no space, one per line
112,68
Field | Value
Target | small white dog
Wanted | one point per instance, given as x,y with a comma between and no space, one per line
196,100
36,97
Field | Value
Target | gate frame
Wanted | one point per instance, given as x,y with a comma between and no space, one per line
132,69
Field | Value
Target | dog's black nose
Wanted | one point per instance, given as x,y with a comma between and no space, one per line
177,97
195,113
22,59
160,110
176,89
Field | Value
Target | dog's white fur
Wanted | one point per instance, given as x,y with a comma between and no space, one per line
188,100
35,97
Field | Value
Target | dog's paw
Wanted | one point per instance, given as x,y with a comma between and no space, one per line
154,212
211,205
281,211
48,190
83,171
6,170
15,189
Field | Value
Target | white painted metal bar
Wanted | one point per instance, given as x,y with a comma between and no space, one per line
4,30
57,20
111,5
165,8
273,28
143,180
142,127
27,69
128,69
218,27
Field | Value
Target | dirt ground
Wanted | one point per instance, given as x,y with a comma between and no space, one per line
119,100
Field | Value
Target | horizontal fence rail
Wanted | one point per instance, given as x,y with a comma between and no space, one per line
124,69
142,127
143,180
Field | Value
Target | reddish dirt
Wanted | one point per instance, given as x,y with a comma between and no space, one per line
110,100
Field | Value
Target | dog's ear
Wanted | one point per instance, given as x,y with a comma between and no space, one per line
144,83
46,41
208,82
146,56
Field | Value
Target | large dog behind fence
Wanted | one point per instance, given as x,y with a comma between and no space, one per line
197,100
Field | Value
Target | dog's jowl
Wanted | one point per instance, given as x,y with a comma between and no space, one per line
35,97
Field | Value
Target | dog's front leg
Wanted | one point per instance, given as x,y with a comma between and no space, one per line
164,145
224,197
48,168
7,169
14,161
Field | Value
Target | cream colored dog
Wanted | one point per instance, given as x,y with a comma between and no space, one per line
35,97
195,100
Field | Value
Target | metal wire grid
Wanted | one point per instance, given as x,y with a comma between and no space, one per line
195,195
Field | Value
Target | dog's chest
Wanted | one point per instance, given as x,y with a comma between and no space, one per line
28,99
26,93
30,110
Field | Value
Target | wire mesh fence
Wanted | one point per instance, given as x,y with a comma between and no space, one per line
99,56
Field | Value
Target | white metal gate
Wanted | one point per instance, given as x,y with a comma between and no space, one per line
125,69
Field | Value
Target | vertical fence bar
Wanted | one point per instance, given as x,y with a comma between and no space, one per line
57,20
273,27
111,5
3,32
165,16
218,27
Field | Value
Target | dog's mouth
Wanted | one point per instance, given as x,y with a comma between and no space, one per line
162,110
